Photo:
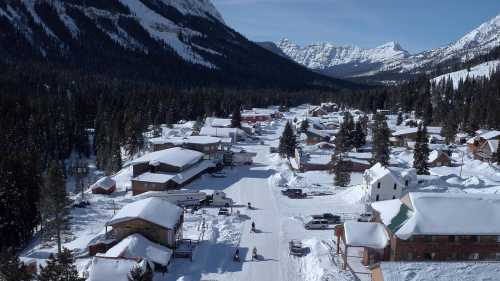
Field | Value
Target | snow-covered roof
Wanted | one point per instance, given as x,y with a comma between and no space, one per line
176,156
154,177
137,246
365,234
493,144
106,269
490,135
218,122
319,159
377,171
406,131
186,140
186,175
154,210
104,183
442,214
321,133
221,132
440,271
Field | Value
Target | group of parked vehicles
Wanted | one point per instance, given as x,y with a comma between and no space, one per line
294,193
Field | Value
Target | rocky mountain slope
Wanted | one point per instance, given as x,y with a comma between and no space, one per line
350,61
180,42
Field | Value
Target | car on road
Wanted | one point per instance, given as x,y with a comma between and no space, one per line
365,217
317,224
288,191
297,249
297,195
331,218
224,212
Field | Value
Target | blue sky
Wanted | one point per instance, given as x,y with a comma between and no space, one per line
416,24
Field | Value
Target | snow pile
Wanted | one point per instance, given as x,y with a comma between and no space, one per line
354,195
440,271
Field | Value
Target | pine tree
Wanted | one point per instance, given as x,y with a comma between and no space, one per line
12,268
304,126
381,144
400,118
54,204
341,169
358,136
137,274
236,118
450,127
60,267
197,127
288,142
421,154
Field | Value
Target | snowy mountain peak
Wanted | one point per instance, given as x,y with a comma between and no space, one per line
200,8
393,45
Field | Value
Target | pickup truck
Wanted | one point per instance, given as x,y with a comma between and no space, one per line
331,218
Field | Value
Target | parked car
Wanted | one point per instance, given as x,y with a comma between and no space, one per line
224,212
273,149
297,195
317,224
365,217
331,218
296,248
288,191
218,175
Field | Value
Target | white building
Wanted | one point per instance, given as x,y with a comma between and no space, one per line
384,183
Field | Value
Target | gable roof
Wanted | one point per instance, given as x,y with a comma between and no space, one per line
153,210
365,234
138,246
104,183
377,171
105,269
443,214
176,156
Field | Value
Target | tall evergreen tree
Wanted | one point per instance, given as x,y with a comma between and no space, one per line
421,153
236,118
358,136
288,142
399,121
12,269
54,204
59,267
450,127
304,126
342,171
381,144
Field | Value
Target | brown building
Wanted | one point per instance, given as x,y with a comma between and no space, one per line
315,136
441,226
104,185
484,146
438,158
156,219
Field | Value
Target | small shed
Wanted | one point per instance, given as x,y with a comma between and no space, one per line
438,158
371,236
104,185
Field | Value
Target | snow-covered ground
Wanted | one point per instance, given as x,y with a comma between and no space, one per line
482,70
278,219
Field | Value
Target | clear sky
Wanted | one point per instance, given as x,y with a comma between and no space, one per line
416,24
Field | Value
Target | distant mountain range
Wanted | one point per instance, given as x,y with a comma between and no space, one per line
390,59
183,43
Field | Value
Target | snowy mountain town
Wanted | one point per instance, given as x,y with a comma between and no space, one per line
150,140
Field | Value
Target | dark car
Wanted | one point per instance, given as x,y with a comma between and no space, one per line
288,191
297,195
331,218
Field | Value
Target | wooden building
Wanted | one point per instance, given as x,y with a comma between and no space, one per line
104,185
156,219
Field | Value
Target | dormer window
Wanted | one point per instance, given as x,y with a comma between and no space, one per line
395,186
378,185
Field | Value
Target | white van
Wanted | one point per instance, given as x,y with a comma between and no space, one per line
317,224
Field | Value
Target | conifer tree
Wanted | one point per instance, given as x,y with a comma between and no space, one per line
341,169
288,142
399,121
59,267
381,144
421,154
197,127
138,274
450,127
54,204
304,126
12,268
236,118
358,136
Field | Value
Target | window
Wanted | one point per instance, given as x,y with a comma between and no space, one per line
378,185
477,238
452,256
498,239
409,256
497,256
427,256
377,198
473,256
395,186
406,182
452,238
393,197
